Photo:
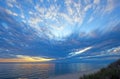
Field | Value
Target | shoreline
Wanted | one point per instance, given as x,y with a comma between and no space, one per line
74,75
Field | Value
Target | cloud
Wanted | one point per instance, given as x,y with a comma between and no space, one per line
53,29
87,1
96,1
24,58
32,58
54,17
77,52
87,7
112,51
110,5
90,19
94,56
115,51
11,3
101,57
11,13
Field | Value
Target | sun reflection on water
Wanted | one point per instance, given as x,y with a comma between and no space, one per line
42,70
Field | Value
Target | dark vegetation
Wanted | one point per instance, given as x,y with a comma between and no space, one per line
110,72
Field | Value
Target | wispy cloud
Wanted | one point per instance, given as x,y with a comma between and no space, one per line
109,52
77,52
58,26
90,19
11,13
54,17
112,51
96,1
110,5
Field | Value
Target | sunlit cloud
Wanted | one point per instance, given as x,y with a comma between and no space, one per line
23,58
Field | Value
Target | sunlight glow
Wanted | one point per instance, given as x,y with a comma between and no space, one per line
21,58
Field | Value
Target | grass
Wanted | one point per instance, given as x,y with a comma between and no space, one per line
110,72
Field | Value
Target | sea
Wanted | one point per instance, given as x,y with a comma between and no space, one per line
45,70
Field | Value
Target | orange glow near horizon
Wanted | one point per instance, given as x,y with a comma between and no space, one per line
21,58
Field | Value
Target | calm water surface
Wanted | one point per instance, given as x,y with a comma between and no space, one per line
44,70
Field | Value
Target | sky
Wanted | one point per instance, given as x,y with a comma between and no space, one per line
45,30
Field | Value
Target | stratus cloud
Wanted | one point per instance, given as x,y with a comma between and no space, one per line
24,58
100,57
80,51
93,56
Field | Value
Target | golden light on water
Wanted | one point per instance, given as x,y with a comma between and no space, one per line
21,58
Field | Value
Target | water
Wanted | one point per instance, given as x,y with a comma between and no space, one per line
44,70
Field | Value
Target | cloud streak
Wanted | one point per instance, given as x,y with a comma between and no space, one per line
23,58
77,52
